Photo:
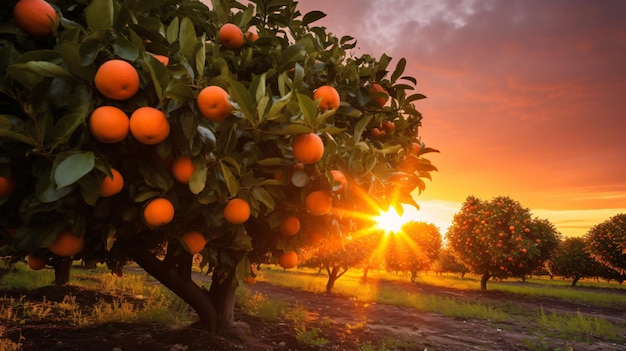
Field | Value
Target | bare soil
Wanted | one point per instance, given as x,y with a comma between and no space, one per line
347,324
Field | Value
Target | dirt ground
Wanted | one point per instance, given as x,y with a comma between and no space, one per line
346,323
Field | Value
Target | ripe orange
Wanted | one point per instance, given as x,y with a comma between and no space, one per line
377,88
252,36
182,169
35,17
288,260
162,58
117,79
338,177
328,97
308,148
290,226
318,202
67,244
36,263
7,186
149,125
249,280
213,103
237,211
230,36
158,212
112,186
194,240
511,228
108,124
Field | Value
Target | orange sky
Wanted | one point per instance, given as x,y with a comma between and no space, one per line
525,98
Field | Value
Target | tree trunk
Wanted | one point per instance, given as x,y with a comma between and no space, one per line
575,280
365,271
215,308
333,274
62,271
483,280
413,276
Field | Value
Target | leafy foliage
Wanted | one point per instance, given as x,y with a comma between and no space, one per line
48,94
572,261
606,242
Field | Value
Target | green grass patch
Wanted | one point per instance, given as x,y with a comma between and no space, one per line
577,327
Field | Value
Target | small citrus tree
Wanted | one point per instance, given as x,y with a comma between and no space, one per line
129,127
606,242
571,260
413,249
499,238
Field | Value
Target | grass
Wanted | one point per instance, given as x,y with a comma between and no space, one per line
149,304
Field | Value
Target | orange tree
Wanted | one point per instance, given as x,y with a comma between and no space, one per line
572,261
499,238
606,242
414,248
233,108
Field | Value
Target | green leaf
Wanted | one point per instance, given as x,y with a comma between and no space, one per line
414,97
70,166
262,196
231,182
277,107
99,15
88,51
240,95
197,183
312,16
257,87
294,129
47,192
66,125
178,92
360,126
31,73
293,53
188,39
308,107
125,49
399,70
7,132
200,55
171,34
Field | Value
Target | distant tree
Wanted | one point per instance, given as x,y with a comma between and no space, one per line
448,262
571,260
606,242
414,249
499,238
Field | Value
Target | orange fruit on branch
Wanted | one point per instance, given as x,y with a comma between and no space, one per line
339,179
230,36
108,124
319,203
308,148
67,244
328,98
35,17
194,240
288,260
377,88
237,211
112,185
7,186
158,212
36,263
290,226
149,125
182,169
117,79
213,103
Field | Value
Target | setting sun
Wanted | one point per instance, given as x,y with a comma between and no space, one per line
390,221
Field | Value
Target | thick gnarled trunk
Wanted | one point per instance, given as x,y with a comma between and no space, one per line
215,307
334,273
484,279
